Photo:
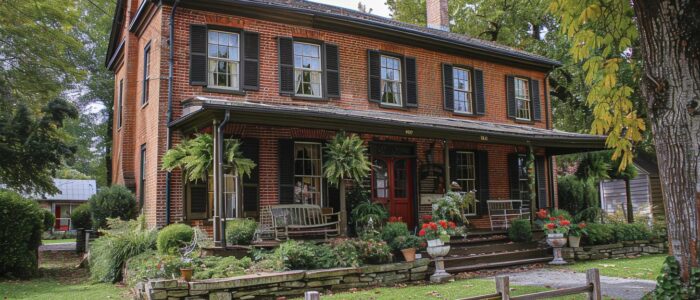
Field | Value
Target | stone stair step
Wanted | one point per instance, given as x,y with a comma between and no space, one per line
500,264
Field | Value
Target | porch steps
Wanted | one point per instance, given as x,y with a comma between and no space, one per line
501,264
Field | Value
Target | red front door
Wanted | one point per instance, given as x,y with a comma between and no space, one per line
392,184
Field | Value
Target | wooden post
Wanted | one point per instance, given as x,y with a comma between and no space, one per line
312,295
503,287
593,278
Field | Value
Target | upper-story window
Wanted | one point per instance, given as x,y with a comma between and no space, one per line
120,103
391,81
522,99
146,76
307,70
462,90
223,59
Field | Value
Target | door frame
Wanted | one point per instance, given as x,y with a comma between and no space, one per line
377,149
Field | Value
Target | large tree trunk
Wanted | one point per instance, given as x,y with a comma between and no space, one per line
669,33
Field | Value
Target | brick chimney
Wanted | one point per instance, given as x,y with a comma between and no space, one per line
438,16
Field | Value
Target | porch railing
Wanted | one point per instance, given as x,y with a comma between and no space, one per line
501,212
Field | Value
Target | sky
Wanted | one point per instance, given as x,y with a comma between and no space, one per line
378,7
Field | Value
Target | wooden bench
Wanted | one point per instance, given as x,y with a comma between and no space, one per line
303,219
502,212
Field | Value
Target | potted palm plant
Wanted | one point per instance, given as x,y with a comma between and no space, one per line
346,158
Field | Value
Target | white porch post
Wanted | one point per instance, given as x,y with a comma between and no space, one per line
446,154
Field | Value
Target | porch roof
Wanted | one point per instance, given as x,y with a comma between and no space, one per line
199,111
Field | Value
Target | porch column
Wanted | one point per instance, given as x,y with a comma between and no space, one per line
446,159
217,197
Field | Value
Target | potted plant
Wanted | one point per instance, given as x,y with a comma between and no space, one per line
437,235
556,229
186,270
408,245
575,233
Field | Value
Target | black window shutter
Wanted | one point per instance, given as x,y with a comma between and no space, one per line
286,55
535,99
251,61
513,176
198,198
198,55
375,69
332,71
332,193
448,89
285,154
479,102
453,166
411,82
510,94
541,182
482,181
250,148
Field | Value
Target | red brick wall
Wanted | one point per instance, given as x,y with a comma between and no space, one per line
147,124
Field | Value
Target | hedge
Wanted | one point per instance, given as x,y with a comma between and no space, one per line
112,202
21,226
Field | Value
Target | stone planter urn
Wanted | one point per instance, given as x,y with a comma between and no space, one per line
556,241
437,250
574,241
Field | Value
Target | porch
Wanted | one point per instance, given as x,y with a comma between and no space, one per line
415,158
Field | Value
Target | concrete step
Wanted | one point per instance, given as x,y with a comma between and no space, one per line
466,260
500,264
466,250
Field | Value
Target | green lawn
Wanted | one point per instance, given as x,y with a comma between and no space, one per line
47,242
451,290
60,280
644,267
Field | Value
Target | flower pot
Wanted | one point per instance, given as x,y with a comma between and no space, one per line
435,243
574,241
186,274
409,254
556,241
438,251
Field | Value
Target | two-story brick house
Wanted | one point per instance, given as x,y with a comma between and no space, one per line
284,76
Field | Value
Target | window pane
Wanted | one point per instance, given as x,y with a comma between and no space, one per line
307,58
307,173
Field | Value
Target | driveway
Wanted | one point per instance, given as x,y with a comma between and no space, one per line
614,287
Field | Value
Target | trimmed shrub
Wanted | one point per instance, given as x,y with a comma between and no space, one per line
240,231
122,241
48,219
630,232
296,255
373,251
81,217
173,237
21,226
393,230
599,234
112,202
520,231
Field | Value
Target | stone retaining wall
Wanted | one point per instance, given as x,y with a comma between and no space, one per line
617,250
291,283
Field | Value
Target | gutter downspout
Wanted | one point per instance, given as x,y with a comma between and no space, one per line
169,117
220,173
549,163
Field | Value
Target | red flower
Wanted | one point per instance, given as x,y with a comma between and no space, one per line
451,224
421,232
427,218
433,226
552,218
443,223
425,225
565,223
551,226
582,225
541,214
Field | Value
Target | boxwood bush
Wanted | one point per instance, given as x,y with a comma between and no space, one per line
81,217
631,232
21,226
240,231
173,237
112,202
599,234
520,231
392,230
48,219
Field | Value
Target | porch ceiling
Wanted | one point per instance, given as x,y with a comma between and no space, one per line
199,111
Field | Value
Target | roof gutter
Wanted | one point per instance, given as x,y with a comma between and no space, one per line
168,138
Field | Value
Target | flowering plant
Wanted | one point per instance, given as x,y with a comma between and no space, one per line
578,230
440,230
394,219
557,225
426,218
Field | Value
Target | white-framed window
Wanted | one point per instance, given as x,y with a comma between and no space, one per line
224,58
146,75
462,90
465,170
230,186
522,98
307,70
523,178
62,212
391,81
308,180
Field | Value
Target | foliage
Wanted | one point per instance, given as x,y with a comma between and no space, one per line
555,222
670,286
577,195
356,195
151,265
48,219
121,241
392,231
366,210
630,232
195,157
220,267
520,231
296,255
579,229
560,213
346,158
173,237
240,231
112,202
452,207
33,147
57,236
405,242
590,215
443,229
599,234
373,251
21,225
601,33
81,217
